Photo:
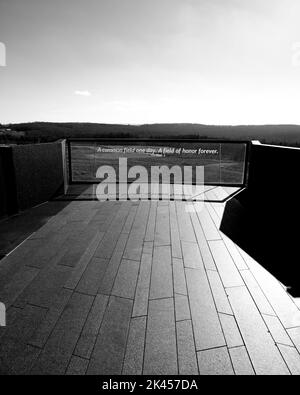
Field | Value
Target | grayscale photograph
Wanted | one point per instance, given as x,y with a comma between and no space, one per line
149,161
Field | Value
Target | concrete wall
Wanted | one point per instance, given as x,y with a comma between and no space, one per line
8,195
264,218
273,170
32,174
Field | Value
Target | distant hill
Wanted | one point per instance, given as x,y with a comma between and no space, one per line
47,131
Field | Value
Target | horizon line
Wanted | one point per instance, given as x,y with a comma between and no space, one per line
150,124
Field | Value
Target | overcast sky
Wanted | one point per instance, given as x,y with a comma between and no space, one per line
145,61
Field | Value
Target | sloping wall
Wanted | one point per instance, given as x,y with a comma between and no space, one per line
263,219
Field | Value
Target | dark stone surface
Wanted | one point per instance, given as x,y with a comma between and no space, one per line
29,175
38,172
263,219
53,329
8,198
16,228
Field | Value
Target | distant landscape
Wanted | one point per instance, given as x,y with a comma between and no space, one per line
223,163
39,132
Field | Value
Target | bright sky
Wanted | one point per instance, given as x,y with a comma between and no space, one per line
145,61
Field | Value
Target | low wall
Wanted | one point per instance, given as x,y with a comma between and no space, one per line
263,219
8,195
32,174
